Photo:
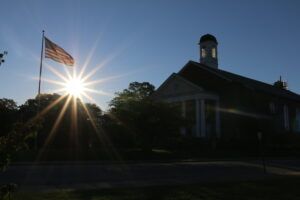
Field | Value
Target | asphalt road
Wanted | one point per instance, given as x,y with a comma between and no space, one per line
113,175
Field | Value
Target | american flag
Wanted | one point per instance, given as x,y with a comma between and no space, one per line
56,53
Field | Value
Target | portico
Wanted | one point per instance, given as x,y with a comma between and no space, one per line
198,107
202,111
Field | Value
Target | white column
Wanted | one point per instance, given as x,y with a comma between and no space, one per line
218,131
183,113
203,128
198,122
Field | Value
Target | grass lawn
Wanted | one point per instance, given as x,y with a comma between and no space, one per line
286,188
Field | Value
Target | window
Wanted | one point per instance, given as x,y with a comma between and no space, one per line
214,52
203,53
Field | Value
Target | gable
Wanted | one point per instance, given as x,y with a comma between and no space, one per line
176,86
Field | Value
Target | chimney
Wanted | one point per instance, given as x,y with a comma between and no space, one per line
281,84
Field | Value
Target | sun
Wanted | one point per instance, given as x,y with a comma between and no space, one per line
74,86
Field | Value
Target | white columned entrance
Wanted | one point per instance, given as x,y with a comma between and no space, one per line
201,101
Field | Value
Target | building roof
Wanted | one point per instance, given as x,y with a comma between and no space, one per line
208,37
246,82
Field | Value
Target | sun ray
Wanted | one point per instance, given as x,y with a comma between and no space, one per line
100,133
101,65
56,72
103,80
74,120
243,113
45,110
91,99
88,97
54,81
90,55
66,69
57,121
59,90
99,92
54,103
91,73
76,87
55,126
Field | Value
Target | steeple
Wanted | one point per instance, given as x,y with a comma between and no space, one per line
209,50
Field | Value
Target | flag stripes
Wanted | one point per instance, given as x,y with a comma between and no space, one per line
56,53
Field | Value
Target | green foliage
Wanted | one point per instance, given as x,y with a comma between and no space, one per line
152,123
8,115
16,140
136,92
74,125
12,141
6,191
13,133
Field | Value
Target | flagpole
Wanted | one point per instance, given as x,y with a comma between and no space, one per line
39,90
41,64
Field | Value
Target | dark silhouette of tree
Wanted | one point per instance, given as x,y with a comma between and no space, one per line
1,57
152,123
136,92
13,138
75,127
8,115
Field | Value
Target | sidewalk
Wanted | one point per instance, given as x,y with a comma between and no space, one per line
110,162
98,175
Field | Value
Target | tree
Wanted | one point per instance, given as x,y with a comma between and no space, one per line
16,140
151,122
1,57
13,138
8,115
136,92
8,118
74,129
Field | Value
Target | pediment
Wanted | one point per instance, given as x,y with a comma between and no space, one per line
175,86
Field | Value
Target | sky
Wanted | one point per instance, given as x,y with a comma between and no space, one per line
139,40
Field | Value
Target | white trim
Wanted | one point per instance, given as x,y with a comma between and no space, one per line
174,76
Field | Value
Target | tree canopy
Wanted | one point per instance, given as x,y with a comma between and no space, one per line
135,92
150,121
8,115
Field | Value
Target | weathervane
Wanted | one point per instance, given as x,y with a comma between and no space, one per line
1,57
